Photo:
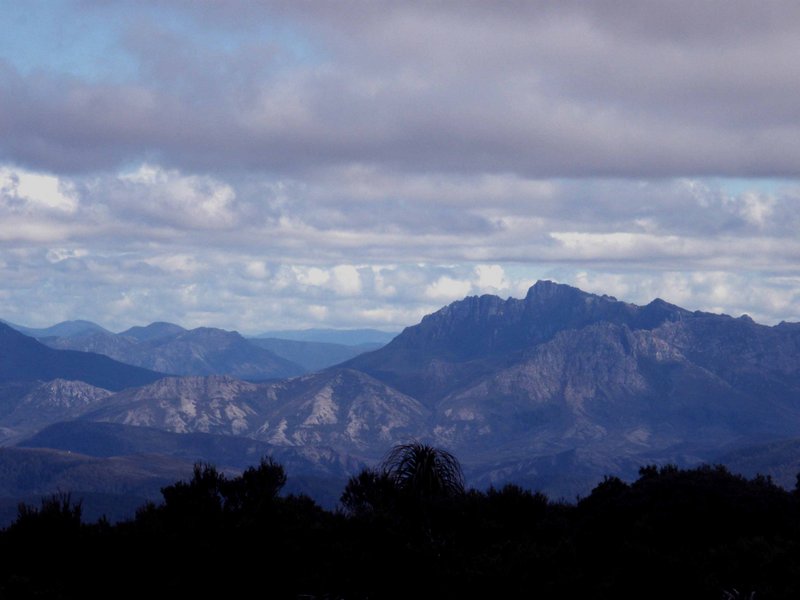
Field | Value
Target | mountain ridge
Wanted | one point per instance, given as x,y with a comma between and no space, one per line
23,358
518,389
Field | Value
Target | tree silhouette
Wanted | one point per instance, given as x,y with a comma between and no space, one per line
369,492
424,471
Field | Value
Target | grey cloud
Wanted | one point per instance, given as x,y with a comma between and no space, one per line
554,89
406,143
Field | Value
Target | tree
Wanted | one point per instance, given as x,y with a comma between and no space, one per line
368,493
254,490
424,471
57,515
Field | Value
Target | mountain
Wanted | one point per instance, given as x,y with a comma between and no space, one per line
346,337
215,404
516,381
345,410
64,329
552,391
313,356
317,469
171,349
479,335
778,459
22,358
40,404
155,331
114,487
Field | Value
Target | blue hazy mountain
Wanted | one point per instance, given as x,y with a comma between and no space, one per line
552,391
313,356
64,329
170,348
319,469
23,358
347,337
155,331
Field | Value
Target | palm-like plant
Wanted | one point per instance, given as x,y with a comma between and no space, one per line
424,471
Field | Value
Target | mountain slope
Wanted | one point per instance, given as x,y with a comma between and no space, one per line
312,356
607,383
346,337
41,404
22,358
345,410
478,335
215,404
105,440
64,329
560,388
171,349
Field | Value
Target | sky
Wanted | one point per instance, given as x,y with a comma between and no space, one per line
261,165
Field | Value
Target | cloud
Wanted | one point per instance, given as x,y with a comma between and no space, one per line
156,243
261,165
23,191
491,278
448,289
540,90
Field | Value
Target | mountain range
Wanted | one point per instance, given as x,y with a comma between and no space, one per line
22,358
169,348
172,349
551,391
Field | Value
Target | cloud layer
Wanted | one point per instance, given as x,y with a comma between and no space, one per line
258,165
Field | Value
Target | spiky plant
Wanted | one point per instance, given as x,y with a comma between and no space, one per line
424,471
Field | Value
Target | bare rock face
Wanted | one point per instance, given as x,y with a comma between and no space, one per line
342,409
50,402
214,404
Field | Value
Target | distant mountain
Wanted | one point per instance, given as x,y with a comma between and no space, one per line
22,358
171,349
347,337
65,329
343,409
313,356
114,487
37,406
318,469
553,391
216,404
155,331
778,459
564,371
340,409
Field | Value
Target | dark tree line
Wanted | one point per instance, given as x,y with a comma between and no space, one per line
410,529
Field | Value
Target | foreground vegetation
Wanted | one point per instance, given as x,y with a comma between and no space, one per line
410,530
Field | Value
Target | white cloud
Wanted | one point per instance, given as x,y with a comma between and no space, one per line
491,278
757,208
55,255
22,189
170,197
367,247
257,269
317,311
346,280
311,275
176,264
446,289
